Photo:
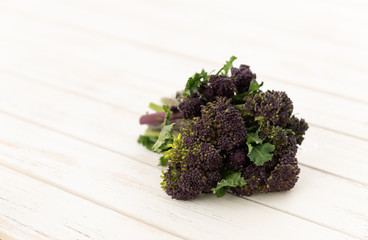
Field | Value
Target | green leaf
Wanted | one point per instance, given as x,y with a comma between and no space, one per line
228,65
250,147
232,179
163,161
195,82
261,153
156,107
147,141
252,137
163,138
253,88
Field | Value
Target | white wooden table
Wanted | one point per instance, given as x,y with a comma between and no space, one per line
75,75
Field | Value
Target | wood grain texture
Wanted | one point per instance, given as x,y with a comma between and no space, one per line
31,209
132,188
76,75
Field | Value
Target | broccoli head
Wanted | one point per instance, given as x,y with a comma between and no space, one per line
221,124
191,106
282,178
222,86
193,167
283,141
237,159
271,107
196,152
299,127
242,78
225,134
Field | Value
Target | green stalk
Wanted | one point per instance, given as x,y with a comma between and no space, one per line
156,107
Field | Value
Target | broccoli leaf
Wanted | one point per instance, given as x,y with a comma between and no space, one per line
228,65
165,135
156,107
195,82
163,161
253,137
261,153
254,87
232,179
147,141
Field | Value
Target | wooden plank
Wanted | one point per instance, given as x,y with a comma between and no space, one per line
132,188
111,86
114,129
329,114
107,54
299,53
31,209
335,153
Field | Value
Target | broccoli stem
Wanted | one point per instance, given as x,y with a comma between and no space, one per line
158,117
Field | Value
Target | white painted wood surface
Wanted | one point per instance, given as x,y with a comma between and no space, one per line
76,75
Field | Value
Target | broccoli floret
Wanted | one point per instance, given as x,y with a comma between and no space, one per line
271,107
207,92
278,174
299,127
255,177
222,86
221,124
218,86
204,156
282,178
283,141
212,178
193,167
191,106
192,181
237,159
170,185
242,77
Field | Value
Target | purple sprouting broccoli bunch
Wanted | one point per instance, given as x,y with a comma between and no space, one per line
223,134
